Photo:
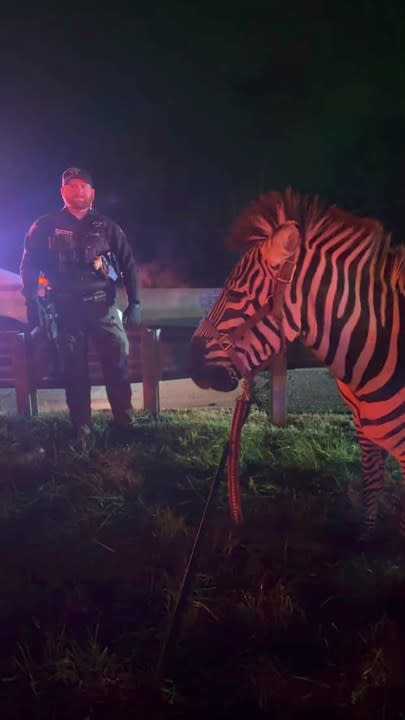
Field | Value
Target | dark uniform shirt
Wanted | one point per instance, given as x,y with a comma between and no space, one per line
63,248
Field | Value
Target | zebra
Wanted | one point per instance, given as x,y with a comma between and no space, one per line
330,278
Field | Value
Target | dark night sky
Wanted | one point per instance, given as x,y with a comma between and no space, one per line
185,111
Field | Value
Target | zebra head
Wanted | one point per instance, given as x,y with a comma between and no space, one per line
244,328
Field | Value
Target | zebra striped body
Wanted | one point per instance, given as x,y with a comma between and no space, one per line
344,299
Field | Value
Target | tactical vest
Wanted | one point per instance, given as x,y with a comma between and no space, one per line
81,261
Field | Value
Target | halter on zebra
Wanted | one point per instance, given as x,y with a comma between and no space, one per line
331,279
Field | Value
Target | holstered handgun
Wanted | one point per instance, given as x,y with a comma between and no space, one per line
48,317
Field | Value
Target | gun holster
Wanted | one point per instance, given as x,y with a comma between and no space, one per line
48,318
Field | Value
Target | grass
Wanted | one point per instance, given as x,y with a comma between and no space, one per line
288,614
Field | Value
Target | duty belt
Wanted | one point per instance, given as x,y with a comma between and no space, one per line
96,297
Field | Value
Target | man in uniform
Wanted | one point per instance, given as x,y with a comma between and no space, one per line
82,254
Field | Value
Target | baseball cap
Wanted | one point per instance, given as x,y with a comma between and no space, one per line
73,173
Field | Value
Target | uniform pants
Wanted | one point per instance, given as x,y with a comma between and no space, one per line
102,323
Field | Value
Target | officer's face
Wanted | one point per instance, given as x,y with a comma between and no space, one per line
77,194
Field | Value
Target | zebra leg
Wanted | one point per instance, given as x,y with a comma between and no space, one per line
372,481
372,464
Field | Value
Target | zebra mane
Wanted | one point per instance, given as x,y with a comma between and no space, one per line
272,209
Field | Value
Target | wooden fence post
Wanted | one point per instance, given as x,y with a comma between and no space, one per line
150,360
25,399
278,370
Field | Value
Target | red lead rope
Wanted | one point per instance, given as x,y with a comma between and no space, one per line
240,414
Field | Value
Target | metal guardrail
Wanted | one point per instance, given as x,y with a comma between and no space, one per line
156,353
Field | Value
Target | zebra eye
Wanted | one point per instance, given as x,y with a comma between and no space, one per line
234,294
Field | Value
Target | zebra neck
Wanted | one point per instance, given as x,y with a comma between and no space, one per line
348,317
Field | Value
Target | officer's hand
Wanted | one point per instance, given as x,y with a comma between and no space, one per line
132,315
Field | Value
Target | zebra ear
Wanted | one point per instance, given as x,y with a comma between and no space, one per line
282,244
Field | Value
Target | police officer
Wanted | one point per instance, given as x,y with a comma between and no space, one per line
82,254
